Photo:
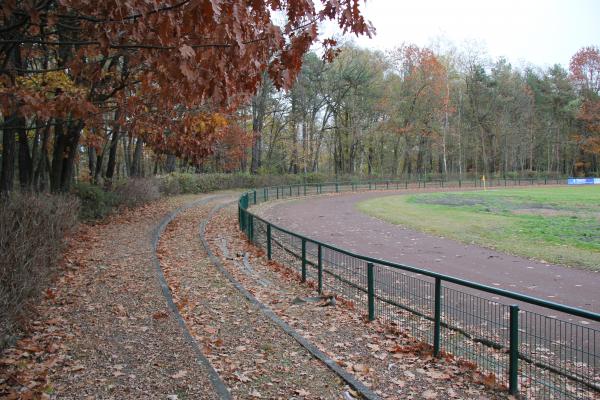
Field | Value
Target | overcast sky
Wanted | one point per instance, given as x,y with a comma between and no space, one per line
541,32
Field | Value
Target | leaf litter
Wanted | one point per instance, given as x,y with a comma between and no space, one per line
103,329
382,356
254,356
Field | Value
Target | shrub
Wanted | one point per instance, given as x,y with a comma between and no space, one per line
136,192
96,203
169,185
176,183
32,229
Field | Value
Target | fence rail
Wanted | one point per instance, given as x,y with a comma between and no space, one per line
513,336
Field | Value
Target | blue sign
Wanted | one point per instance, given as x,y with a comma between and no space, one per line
584,181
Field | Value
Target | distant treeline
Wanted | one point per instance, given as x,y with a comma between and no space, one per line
417,111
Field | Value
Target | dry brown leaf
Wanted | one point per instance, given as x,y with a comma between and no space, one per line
373,347
179,374
160,315
302,392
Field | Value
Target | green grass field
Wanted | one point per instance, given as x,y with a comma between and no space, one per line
557,225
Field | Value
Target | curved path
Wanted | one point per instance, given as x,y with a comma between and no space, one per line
248,350
335,220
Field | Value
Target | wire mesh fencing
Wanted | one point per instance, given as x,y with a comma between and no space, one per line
534,348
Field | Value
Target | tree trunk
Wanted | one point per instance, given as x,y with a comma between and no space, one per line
58,155
98,171
170,165
13,122
136,164
293,168
8,157
112,153
25,160
459,132
40,179
258,115
484,157
71,149
35,154
446,126
92,161
127,144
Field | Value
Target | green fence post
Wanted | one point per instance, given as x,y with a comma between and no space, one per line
387,184
513,368
298,187
437,317
248,225
243,219
459,183
255,197
545,180
269,241
405,184
277,192
303,260
305,189
369,185
371,290
320,267
251,228
290,190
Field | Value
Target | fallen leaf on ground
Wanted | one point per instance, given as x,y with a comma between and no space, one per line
179,374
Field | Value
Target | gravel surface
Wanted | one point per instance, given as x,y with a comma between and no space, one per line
254,356
383,357
104,330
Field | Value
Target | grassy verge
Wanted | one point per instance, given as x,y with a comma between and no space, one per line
556,225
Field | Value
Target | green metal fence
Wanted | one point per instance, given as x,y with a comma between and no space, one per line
535,348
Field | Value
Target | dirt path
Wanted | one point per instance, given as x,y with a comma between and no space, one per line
334,219
104,330
254,356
